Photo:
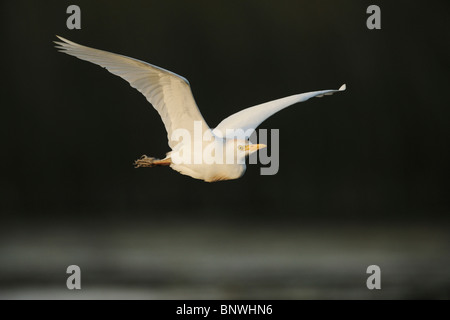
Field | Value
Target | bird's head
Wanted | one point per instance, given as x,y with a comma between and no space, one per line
242,148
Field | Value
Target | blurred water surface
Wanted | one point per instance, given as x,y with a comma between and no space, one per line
187,260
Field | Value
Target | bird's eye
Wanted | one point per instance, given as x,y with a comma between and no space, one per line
241,148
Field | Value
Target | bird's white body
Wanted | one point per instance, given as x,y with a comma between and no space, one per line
170,94
229,163
211,172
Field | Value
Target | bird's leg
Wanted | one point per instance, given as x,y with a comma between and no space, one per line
149,162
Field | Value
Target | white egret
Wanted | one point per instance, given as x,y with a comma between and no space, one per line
192,142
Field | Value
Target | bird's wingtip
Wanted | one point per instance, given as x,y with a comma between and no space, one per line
343,87
64,40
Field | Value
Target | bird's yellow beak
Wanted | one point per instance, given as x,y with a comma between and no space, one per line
253,147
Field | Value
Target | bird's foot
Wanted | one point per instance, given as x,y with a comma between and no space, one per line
145,161
149,162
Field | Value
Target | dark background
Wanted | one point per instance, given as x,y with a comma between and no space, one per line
363,174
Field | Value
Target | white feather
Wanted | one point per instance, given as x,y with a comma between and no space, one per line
169,93
249,119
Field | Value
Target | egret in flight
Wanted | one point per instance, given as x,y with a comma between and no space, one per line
196,150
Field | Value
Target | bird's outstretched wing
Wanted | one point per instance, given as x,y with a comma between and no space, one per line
249,119
169,93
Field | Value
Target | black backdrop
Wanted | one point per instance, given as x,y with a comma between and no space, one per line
377,152
72,130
